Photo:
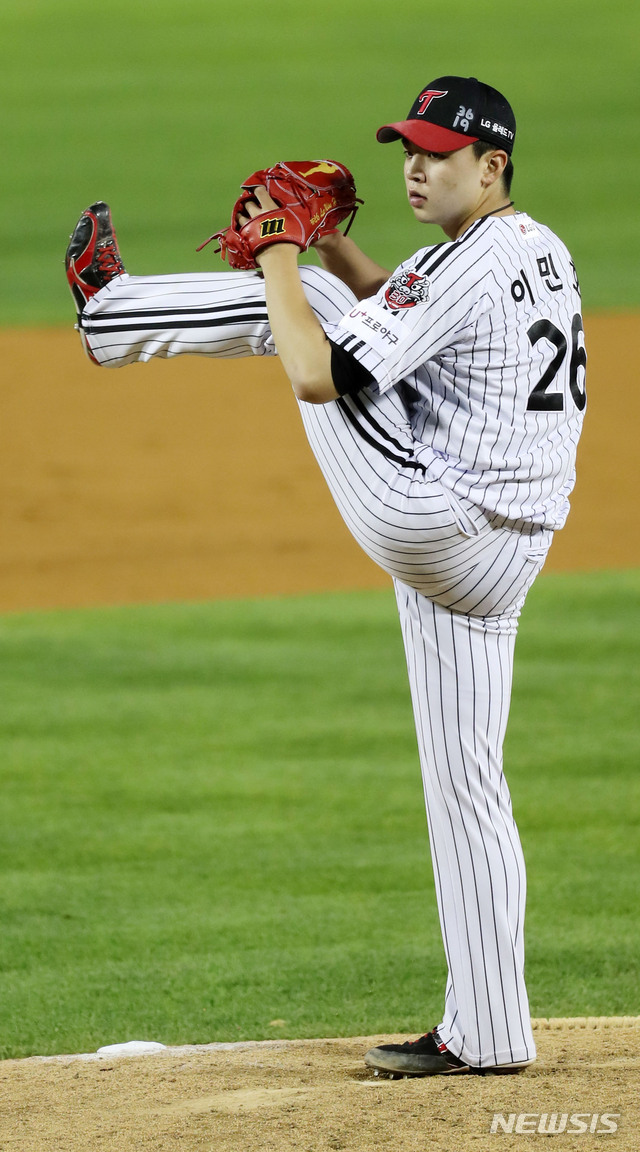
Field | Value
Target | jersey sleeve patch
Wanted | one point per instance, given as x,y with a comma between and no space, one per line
406,289
373,324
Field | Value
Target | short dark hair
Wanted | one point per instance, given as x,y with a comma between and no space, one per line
481,147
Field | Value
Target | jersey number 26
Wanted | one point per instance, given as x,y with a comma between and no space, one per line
541,399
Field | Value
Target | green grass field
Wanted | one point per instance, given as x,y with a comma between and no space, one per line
212,818
163,109
212,815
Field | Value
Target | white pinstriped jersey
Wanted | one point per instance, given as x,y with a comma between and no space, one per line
484,335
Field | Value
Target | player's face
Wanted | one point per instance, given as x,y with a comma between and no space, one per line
447,188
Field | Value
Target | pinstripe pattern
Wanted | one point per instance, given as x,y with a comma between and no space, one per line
460,677
424,475
408,523
135,318
468,355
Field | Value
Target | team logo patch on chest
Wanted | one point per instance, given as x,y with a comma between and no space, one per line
406,290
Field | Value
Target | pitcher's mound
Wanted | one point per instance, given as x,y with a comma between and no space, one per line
312,1095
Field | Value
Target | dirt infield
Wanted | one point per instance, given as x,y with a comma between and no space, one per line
192,479
316,1095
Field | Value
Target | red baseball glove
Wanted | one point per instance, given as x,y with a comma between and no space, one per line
313,197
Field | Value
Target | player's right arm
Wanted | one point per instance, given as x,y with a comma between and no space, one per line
340,255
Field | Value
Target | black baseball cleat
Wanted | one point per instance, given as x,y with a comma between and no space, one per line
426,1056
93,258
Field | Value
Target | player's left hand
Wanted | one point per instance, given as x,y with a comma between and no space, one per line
261,202
297,202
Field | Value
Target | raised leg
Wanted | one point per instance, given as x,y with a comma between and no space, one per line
221,314
401,515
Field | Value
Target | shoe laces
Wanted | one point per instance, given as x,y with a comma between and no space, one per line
432,1040
108,260
419,1040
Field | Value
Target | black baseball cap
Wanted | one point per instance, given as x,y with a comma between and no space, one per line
453,111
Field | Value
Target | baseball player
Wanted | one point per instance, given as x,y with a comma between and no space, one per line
443,403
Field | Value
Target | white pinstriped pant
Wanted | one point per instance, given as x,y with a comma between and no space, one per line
460,576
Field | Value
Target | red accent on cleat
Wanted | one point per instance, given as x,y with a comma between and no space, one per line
92,259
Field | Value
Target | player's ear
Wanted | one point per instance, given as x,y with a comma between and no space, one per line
494,164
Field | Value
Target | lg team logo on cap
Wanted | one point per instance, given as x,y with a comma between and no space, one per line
425,99
406,290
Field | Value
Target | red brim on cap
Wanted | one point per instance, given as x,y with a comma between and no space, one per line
429,136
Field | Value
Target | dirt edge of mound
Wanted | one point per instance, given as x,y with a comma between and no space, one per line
551,1023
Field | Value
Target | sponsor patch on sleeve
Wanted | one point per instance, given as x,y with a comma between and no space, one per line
373,324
